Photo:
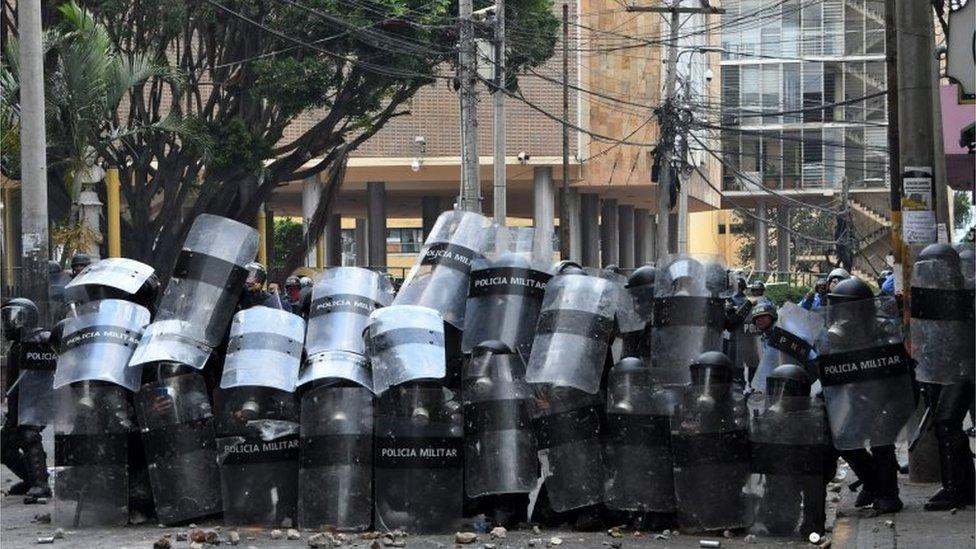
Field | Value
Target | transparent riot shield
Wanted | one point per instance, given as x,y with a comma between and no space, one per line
342,300
201,295
335,477
97,342
336,365
864,371
441,276
637,443
405,343
507,287
941,324
257,450
114,277
418,460
748,347
573,332
91,447
791,341
567,426
710,441
35,383
265,349
178,439
689,316
500,451
789,447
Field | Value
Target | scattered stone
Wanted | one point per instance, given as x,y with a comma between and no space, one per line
488,546
534,542
535,529
750,538
370,535
727,534
277,534
233,537
181,536
162,543
192,525
710,543
465,537
954,511
59,533
212,537
48,539
167,535
890,523
43,518
322,540
390,541
663,537
196,545
198,535
615,532
638,534
555,541
294,534
498,532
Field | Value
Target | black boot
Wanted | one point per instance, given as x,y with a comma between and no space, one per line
886,480
958,488
36,460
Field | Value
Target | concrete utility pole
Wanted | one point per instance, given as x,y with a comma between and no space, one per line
564,198
470,199
33,158
500,192
666,174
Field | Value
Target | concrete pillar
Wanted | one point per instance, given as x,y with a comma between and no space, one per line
673,233
589,230
762,237
333,241
90,215
575,244
430,207
311,192
782,239
376,223
359,234
609,233
642,237
543,201
625,218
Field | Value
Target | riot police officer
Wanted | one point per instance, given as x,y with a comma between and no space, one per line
836,276
30,369
293,294
254,291
78,263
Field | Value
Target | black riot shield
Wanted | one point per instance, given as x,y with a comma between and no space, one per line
688,316
418,459
91,446
500,451
507,287
342,300
257,447
178,438
637,442
335,477
942,321
442,273
865,373
710,441
788,445
567,425
34,385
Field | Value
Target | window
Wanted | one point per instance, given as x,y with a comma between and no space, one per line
770,94
730,95
404,241
812,91
791,28
812,29
791,159
772,160
791,93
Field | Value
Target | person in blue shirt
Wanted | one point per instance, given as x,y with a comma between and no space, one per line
815,298
888,284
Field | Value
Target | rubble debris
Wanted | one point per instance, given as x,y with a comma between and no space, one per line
615,532
162,543
498,532
277,534
43,518
709,543
555,541
48,539
465,537
233,537
293,534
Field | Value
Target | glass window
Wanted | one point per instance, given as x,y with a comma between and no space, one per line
772,160
751,85
812,91
833,91
730,95
791,159
730,158
750,153
791,28
854,156
874,35
833,27
404,241
875,81
751,36
833,156
813,158
791,92
770,94
854,28
854,91
875,156
812,23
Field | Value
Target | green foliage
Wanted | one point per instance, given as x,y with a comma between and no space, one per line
235,148
782,292
287,237
962,209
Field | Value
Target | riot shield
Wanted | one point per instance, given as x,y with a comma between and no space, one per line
265,349
342,301
567,427
864,371
335,477
417,459
337,365
112,278
790,341
507,287
500,451
689,316
573,332
257,450
35,384
97,342
441,276
405,343
91,447
637,444
200,297
748,347
710,441
178,438
788,445
942,323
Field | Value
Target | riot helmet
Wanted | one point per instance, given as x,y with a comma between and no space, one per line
820,286
764,315
642,276
741,285
711,375
787,388
967,262
835,276
757,288
566,267
78,263
482,354
939,252
257,275
950,260
850,289
53,267
293,288
19,316
306,282
685,275
612,268
716,278
625,371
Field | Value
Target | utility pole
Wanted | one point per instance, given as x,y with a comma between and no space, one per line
564,236
33,158
500,192
667,123
470,199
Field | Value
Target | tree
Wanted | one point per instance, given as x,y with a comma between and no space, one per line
248,69
287,237
962,210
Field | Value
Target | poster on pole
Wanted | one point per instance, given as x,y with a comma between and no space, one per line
917,206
